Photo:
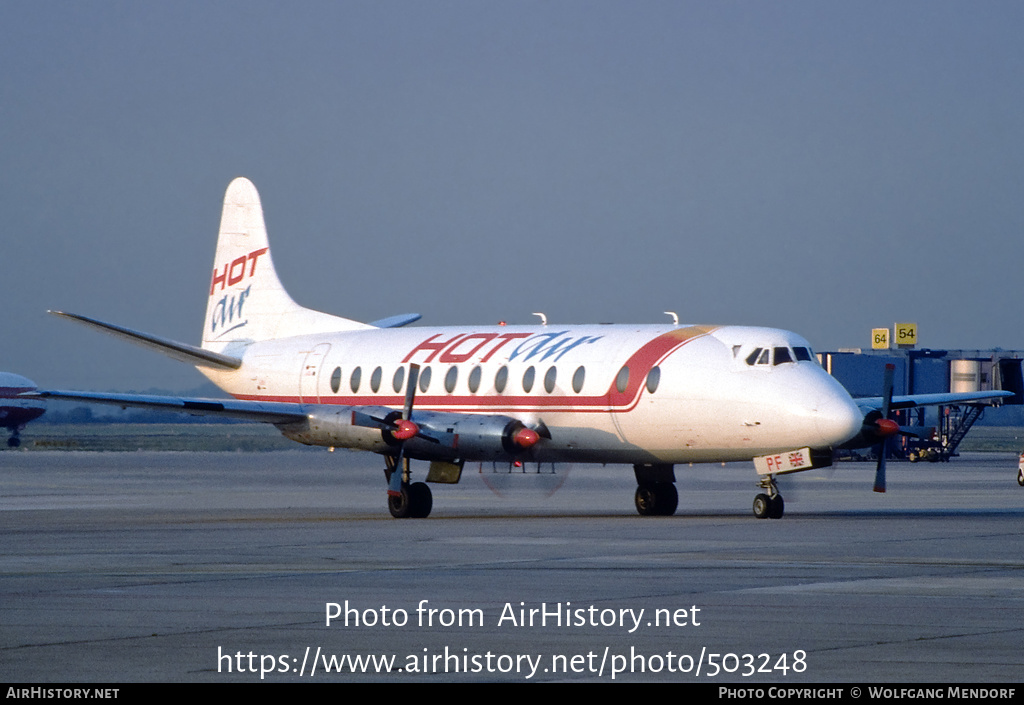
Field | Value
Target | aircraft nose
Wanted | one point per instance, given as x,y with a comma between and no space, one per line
838,419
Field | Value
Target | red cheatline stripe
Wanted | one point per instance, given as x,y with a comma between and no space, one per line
640,363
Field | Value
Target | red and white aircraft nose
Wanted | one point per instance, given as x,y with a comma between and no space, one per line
11,385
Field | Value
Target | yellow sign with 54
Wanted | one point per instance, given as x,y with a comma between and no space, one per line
906,334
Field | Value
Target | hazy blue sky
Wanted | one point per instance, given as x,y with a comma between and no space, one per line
826,167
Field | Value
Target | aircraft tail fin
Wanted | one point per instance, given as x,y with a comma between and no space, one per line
247,301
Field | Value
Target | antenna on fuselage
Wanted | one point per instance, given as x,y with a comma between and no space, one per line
675,317
543,318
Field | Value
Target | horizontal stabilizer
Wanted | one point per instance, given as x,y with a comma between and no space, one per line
179,351
264,412
402,319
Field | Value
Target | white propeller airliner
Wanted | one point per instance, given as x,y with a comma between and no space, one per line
650,396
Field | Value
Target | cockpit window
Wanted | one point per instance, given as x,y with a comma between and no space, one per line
779,355
782,356
760,356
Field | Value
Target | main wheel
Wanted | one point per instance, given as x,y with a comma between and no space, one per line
656,499
422,500
646,500
668,499
762,506
401,505
415,502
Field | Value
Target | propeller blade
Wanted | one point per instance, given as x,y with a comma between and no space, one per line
880,468
360,418
410,391
886,426
395,483
405,429
887,384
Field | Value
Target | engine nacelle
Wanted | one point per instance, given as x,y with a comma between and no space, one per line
875,430
332,426
442,435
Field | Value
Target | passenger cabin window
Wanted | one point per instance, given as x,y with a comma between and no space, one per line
549,379
357,375
622,379
653,378
336,380
528,379
501,379
424,379
577,379
474,380
450,379
375,379
398,380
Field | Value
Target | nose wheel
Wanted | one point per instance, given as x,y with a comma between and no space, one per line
769,505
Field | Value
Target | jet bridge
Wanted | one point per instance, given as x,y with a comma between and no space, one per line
934,433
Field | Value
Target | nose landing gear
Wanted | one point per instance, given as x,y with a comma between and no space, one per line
770,505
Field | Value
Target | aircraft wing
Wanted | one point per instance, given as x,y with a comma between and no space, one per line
172,348
915,400
266,412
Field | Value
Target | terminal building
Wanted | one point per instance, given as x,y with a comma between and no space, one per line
937,431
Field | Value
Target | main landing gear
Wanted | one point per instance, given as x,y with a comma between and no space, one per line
770,505
415,500
656,494
657,499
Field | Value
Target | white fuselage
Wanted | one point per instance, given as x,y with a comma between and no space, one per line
691,393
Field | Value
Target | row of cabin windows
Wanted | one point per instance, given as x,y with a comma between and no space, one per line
476,374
